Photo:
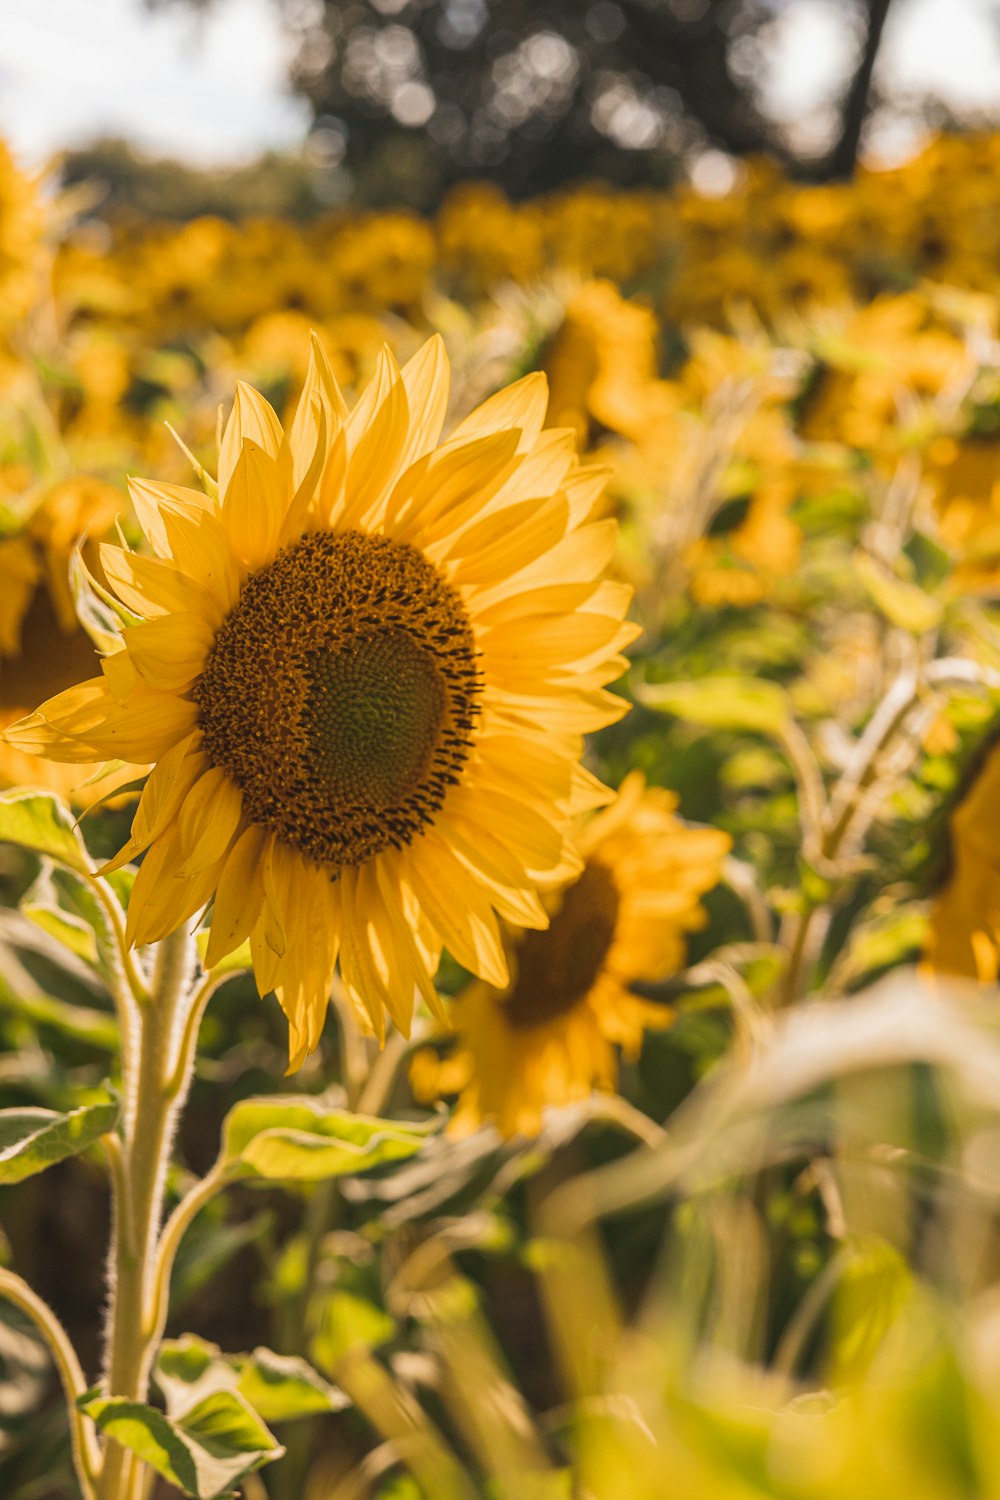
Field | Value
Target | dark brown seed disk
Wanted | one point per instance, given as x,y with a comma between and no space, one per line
341,695
556,968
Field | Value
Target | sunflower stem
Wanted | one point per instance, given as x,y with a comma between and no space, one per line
157,1074
85,1455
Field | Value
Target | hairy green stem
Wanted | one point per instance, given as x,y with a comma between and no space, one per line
157,1075
129,971
174,1231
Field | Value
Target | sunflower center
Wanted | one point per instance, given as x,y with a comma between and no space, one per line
557,967
341,694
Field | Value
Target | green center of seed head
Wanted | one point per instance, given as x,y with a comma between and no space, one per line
374,714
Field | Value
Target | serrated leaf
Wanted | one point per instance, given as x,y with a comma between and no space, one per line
41,822
33,1139
722,703
205,1451
297,1139
903,604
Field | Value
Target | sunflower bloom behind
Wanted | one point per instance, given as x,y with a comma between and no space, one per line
549,1037
363,673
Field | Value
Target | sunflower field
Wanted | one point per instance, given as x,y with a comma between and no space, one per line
500,845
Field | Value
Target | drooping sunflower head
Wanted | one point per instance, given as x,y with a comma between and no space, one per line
549,1036
363,669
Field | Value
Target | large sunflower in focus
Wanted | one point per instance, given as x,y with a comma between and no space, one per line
363,672
549,1036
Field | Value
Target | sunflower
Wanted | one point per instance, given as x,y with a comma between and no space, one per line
363,672
549,1036
42,645
23,262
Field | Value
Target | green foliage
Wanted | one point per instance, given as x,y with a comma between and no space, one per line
279,1387
204,1450
33,1139
41,822
903,603
287,1139
722,703
349,1322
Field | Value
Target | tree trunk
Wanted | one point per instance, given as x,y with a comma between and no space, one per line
842,160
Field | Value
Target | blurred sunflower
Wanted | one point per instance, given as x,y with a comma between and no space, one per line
364,672
548,1037
23,265
42,646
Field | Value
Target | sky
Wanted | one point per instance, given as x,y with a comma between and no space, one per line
212,90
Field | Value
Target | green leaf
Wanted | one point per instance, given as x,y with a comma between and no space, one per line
722,703
40,821
279,1387
81,1022
903,604
205,1451
33,1139
874,1284
190,1368
69,930
349,1322
297,1139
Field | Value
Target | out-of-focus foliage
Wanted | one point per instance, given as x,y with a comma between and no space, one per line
796,393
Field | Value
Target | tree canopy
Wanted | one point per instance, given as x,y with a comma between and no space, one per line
413,96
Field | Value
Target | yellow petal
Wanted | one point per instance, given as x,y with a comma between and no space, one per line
144,729
305,495
254,418
239,898
508,540
153,502
521,405
194,538
59,729
120,674
321,411
170,652
209,819
457,478
254,505
427,380
161,900
151,586
167,784
458,910
376,433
